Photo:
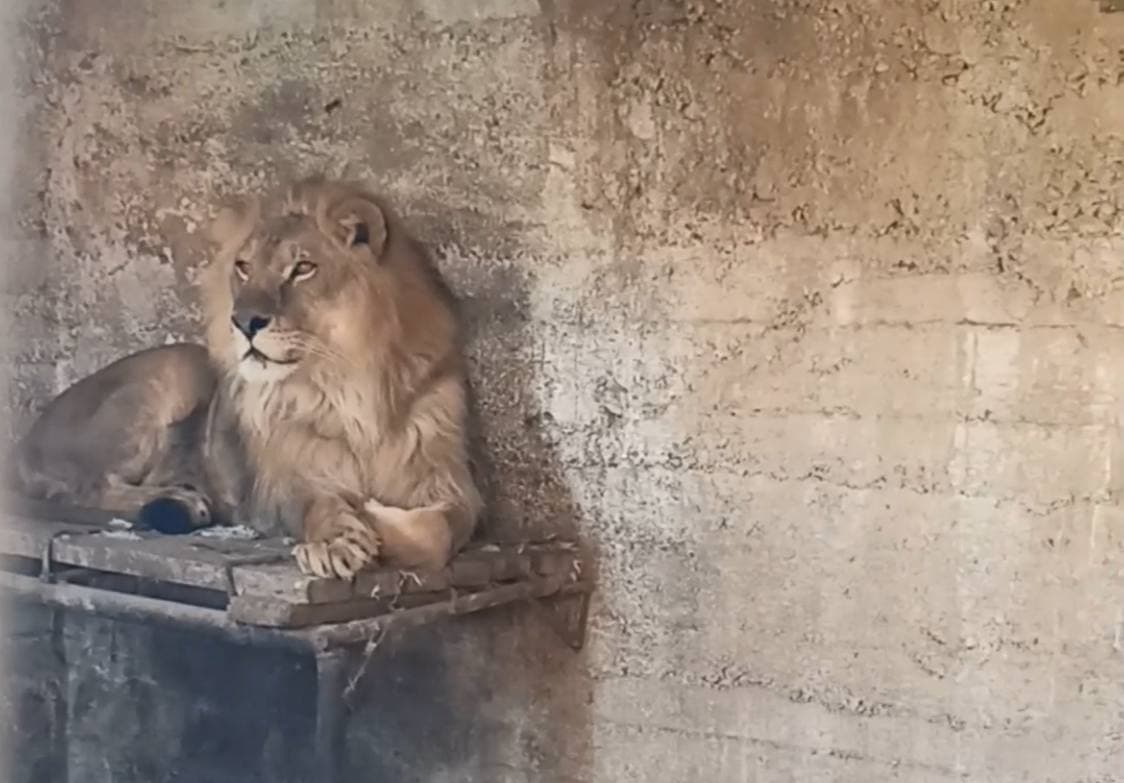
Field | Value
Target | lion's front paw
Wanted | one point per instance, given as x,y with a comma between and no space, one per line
345,550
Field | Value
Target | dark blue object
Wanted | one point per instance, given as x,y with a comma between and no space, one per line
167,515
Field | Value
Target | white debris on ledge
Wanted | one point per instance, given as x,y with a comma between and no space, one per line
120,524
127,535
233,532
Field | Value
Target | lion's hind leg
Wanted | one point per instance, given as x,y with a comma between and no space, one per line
167,509
125,440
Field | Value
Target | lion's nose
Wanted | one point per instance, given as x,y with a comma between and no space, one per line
249,323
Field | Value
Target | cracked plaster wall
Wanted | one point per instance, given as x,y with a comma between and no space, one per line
807,315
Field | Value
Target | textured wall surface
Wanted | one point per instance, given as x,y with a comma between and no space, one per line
807,315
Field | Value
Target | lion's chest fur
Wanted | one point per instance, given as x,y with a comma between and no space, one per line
305,439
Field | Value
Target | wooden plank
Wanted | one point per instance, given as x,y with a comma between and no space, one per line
195,560
125,606
273,613
269,592
30,537
385,582
317,639
281,581
468,570
471,569
166,559
549,561
248,552
285,582
189,560
259,568
331,635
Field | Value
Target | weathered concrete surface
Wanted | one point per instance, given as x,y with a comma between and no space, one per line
808,314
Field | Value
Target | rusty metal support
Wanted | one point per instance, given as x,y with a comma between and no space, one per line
568,615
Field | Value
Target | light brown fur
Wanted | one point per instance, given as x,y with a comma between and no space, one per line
125,436
346,429
353,417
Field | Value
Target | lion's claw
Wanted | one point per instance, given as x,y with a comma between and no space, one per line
349,548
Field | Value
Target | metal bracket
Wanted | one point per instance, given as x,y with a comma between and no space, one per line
67,574
230,563
47,557
568,615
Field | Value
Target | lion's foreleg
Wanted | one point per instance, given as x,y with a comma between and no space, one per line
341,539
425,537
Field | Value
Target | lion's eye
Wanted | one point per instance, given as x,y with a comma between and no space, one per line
242,269
303,270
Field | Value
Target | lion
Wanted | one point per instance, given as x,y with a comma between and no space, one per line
339,351
331,404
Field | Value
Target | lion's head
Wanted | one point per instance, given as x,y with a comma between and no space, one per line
322,277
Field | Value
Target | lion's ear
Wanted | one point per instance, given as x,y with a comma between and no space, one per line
357,223
231,221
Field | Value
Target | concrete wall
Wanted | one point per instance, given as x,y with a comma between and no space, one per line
807,315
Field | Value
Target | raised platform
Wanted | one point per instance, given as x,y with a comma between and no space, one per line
248,588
